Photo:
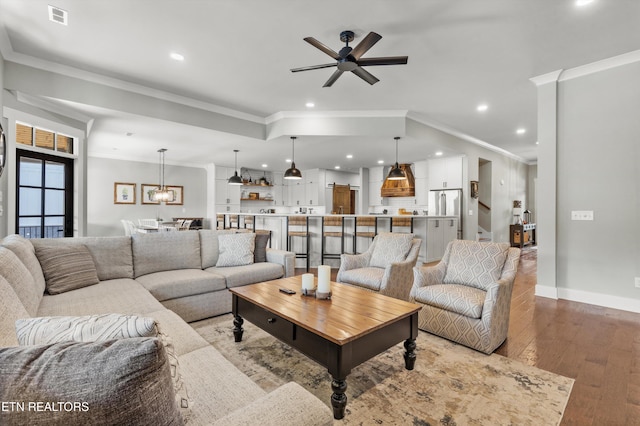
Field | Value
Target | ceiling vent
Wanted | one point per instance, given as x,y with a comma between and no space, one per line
58,15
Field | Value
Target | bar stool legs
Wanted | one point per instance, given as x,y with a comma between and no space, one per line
299,222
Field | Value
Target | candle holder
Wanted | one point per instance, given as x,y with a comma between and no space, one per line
322,295
309,292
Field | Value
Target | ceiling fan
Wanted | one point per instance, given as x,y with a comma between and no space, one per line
350,59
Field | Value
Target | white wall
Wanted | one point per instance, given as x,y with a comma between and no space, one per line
104,216
597,169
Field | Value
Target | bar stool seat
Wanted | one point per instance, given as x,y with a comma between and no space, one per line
405,222
298,226
336,230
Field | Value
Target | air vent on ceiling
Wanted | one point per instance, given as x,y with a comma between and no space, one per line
58,15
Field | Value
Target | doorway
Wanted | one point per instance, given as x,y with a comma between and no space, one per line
44,188
484,198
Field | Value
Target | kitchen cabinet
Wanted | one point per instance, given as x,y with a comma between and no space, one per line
376,177
227,196
439,233
445,173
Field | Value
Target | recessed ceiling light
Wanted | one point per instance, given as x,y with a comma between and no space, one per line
265,165
380,161
581,3
176,56
482,107
521,131
288,160
349,156
310,104
537,143
438,153
336,167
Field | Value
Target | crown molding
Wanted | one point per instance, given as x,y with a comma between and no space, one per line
280,115
551,77
464,136
603,65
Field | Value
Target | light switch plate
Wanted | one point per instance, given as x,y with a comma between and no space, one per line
582,215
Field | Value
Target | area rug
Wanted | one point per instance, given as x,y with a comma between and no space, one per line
451,385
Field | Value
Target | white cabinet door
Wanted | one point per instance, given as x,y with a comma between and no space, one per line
435,239
297,192
449,232
312,188
445,173
422,192
374,193
227,194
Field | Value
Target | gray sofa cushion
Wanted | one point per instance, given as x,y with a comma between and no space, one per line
165,251
475,264
124,381
25,251
11,309
461,299
123,296
67,267
186,282
19,277
249,274
113,255
260,250
390,247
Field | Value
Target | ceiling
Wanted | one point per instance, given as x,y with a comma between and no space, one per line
462,53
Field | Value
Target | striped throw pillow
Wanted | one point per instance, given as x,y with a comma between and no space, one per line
67,268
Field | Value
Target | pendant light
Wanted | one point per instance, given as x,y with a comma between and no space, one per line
162,193
292,172
396,173
235,179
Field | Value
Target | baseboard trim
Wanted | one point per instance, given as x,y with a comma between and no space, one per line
546,291
598,299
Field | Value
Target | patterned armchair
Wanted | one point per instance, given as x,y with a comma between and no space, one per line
467,296
386,267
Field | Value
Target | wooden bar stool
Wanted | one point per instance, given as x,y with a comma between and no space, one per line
406,222
368,222
220,222
332,227
298,226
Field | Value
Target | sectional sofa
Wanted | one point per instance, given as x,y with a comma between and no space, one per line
171,278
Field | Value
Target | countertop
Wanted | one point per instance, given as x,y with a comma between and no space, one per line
415,216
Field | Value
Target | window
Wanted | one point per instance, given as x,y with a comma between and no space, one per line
35,137
44,207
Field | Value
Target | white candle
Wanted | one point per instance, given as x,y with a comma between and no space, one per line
324,279
307,282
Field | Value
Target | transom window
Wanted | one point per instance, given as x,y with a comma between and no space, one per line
41,138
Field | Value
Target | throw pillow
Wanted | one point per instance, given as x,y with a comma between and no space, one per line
475,264
67,268
236,249
100,328
260,252
390,247
92,328
124,381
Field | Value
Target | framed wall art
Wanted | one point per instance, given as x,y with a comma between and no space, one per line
146,192
124,193
178,195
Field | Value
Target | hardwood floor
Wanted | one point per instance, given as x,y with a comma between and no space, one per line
598,347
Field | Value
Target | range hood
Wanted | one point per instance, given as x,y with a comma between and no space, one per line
400,188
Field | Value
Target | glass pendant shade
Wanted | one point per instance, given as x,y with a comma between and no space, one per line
162,193
235,179
292,172
396,173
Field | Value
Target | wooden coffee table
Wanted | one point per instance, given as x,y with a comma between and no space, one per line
341,333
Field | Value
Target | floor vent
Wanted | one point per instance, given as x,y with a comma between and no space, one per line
58,15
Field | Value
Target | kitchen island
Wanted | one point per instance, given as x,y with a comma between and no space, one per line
435,232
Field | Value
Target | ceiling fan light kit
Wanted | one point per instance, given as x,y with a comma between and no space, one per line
350,59
293,173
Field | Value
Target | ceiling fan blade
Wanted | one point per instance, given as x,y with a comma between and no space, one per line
386,60
313,67
315,43
365,75
333,78
366,44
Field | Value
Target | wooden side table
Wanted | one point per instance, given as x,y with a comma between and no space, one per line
522,235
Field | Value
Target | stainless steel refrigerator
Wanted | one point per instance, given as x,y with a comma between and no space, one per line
447,202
